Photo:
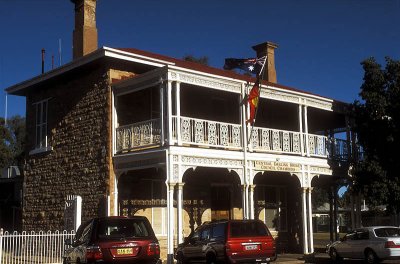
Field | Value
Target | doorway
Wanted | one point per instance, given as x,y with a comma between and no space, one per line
220,202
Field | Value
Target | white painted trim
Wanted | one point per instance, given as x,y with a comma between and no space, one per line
40,150
130,56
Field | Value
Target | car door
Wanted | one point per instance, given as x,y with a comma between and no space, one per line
360,243
218,238
345,247
192,249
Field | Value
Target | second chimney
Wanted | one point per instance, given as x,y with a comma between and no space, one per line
85,32
267,48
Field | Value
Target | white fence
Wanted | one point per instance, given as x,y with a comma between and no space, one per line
33,247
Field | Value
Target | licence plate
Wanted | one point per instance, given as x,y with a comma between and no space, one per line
124,251
251,247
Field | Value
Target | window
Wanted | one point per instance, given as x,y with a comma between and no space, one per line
122,228
251,228
83,233
205,234
387,232
218,231
41,125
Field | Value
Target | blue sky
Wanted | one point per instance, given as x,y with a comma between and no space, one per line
321,43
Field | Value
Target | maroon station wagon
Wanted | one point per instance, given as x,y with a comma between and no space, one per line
114,239
231,241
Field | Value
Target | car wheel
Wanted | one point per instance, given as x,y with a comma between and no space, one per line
180,259
335,256
370,257
211,259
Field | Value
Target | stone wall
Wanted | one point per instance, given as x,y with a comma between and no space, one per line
78,164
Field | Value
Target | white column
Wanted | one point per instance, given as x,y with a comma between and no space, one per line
116,207
180,212
301,129
114,123
244,201
311,249
178,112
162,126
306,131
170,232
305,231
169,111
251,200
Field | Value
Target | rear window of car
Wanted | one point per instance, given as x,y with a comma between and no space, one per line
248,229
387,232
110,229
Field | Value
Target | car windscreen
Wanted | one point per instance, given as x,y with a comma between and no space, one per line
387,232
248,229
110,229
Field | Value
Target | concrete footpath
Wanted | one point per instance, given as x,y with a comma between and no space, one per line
299,258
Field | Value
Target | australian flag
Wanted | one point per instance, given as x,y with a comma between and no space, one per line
251,65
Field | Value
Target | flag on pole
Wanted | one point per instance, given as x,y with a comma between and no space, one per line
252,99
251,65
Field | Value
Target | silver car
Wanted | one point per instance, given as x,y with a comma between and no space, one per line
372,244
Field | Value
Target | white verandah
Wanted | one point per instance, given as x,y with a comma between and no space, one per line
189,142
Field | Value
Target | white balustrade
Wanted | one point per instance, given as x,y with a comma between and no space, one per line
317,145
208,133
138,135
274,140
220,135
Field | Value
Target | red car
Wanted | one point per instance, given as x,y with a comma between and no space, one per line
231,241
114,240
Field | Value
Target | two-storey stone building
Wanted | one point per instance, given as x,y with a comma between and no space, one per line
138,133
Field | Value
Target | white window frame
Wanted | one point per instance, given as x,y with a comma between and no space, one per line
41,120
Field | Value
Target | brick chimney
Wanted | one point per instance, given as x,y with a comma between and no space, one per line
267,48
85,31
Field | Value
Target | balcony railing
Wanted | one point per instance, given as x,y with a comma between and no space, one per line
207,133
273,140
138,135
212,134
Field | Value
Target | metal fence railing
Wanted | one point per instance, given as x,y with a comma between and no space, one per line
33,247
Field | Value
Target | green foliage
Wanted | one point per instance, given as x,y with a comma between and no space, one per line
12,141
319,197
377,124
202,60
5,152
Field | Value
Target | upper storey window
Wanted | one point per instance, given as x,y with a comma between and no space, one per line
41,140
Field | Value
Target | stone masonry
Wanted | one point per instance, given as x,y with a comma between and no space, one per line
79,162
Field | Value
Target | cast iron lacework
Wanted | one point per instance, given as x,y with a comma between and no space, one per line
275,140
137,135
199,134
286,141
296,143
212,133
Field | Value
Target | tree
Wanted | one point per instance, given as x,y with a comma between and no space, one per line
5,151
12,141
202,60
377,124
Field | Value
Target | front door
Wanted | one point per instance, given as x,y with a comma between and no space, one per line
220,202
